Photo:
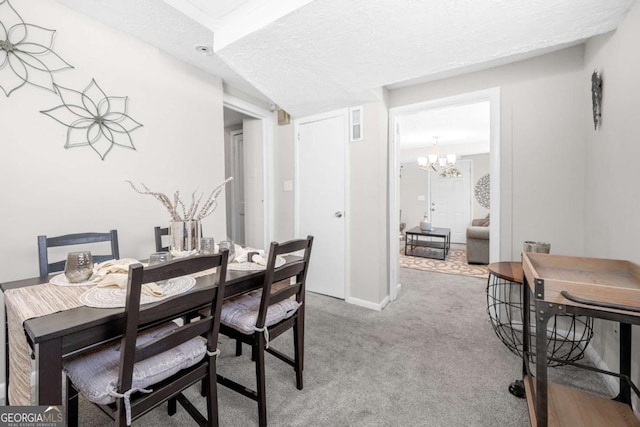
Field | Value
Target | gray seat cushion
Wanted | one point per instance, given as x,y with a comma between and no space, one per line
241,313
96,373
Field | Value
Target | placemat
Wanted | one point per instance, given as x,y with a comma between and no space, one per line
116,297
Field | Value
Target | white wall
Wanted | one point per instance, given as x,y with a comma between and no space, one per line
46,189
367,210
414,183
612,202
284,171
541,141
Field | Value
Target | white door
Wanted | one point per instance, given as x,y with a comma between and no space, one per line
450,198
320,199
253,183
237,188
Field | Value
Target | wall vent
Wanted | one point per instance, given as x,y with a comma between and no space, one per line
355,124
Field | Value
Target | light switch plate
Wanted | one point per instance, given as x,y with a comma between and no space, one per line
288,185
421,198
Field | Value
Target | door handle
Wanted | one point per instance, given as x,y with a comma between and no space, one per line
338,214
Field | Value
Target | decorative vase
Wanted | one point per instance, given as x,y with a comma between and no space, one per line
425,224
79,266
539,247
184,236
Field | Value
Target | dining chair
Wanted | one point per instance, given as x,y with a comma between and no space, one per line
152,363
259,317
44,243
159,232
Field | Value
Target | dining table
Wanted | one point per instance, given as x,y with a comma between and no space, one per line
48,323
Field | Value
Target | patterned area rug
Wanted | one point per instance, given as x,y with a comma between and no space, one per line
456,263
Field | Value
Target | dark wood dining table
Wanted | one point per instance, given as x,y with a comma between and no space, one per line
55,336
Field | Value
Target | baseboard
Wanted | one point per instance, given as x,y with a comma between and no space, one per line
368,304
598,362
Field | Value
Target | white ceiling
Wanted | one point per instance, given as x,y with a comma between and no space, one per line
459,129
310,56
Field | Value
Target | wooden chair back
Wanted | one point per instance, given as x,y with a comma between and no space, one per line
44,243
158,233
296,270
207,326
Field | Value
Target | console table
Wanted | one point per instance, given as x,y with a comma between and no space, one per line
602,288
417,245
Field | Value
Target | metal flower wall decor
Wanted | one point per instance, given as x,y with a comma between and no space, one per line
25,53
94,119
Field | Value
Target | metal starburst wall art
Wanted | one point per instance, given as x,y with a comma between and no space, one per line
94,119
25,53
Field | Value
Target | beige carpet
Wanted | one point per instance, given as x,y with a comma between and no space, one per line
456,263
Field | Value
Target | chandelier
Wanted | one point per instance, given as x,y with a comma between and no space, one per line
435,162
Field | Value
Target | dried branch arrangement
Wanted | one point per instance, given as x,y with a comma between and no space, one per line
195,211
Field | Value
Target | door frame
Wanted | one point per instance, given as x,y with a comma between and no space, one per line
234,172
347,208
493,96
267,118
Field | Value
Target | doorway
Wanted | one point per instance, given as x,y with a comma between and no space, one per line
396,135
248,139
236,205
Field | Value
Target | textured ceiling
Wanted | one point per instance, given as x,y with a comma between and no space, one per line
313,56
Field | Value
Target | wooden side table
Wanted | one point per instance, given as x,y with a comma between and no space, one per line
511,271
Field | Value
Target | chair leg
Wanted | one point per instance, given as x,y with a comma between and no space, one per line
212,394
238,348
298,347
72,405
254,352
6,358
261,382
203,387
172,406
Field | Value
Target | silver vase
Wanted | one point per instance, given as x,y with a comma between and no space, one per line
184,236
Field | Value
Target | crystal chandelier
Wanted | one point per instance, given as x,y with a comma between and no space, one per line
435,162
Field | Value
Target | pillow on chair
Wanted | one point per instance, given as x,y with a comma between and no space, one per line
97,373
242,313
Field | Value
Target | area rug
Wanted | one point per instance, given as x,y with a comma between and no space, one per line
456,263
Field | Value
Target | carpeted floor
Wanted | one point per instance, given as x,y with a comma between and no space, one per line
456,263
430,358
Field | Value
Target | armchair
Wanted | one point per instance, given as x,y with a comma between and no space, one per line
478,241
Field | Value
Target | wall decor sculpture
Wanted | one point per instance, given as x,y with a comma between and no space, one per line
482,193
94,119
25,53
596,98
